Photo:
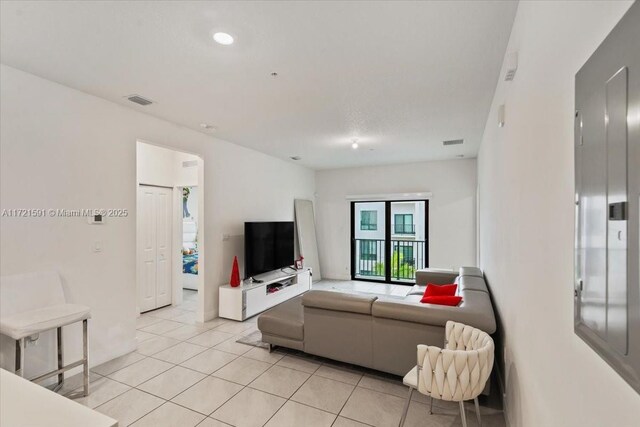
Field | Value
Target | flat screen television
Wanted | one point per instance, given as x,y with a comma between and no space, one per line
268,246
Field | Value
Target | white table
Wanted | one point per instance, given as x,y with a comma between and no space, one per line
25,404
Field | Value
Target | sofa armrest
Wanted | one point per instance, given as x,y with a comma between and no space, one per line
435,276
337,301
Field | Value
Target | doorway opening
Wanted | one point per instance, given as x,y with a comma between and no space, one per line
389,240
169,230
190,253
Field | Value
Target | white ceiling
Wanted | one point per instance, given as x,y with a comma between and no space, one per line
400,76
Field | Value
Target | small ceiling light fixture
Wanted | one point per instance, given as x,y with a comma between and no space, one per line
207,126
223,38
354,144
295,158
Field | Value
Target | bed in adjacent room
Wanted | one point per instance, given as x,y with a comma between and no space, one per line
189,255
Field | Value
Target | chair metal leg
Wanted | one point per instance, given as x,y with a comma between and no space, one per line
430,405
20,357
270,348
475,400
60,356
85,360
406,408
463,415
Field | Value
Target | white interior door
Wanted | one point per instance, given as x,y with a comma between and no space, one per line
154,228
147,256
163,246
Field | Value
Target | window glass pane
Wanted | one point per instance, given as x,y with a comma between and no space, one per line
369,220
369,238
403,224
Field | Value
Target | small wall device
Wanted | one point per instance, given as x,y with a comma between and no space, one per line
96,219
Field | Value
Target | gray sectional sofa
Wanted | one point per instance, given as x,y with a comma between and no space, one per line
375,331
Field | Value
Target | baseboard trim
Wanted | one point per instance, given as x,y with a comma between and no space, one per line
210,315
129,347
335,278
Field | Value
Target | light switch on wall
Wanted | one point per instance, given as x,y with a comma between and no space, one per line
97,246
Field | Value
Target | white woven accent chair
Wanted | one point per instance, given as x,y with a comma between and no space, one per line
456,373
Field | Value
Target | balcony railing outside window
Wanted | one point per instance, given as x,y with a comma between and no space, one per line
407,256
400,228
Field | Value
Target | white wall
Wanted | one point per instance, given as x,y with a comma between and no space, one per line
185,176
525,173
163,166
65,149
452,214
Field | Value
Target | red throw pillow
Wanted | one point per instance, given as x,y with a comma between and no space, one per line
442,300
440,290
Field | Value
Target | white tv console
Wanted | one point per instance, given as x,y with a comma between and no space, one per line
249,299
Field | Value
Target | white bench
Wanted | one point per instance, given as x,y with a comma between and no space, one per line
33,303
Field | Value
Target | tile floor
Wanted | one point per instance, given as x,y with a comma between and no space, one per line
186,374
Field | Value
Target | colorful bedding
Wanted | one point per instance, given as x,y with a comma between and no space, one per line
190,263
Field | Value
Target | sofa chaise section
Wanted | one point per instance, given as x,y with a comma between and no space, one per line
283,325
339,326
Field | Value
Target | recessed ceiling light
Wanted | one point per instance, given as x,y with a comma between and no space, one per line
207,126
354,145
223,38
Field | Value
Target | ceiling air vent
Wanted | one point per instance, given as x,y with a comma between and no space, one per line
453,142
139,100
511,66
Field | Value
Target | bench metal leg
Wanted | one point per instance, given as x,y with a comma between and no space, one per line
20,357
60,357
85,359
271,346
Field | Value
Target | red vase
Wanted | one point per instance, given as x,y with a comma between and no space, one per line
235,273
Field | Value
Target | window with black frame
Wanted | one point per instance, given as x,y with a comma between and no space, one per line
389,240
403,224
369,220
